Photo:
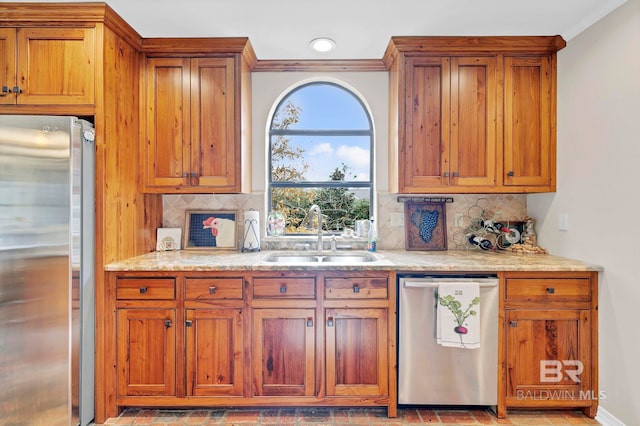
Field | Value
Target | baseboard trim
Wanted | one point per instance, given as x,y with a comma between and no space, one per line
605,418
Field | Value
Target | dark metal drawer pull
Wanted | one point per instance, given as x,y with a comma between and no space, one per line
513,323
212,290
551,290
167,323
283,289
356,288
188,323
143,290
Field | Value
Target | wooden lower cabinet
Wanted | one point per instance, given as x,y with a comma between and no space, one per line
283,345
550,341
214,352
357,352
146,351
191,339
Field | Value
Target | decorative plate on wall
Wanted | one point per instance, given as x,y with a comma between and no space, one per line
425,226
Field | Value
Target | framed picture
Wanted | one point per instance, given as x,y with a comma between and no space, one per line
211,230
425,226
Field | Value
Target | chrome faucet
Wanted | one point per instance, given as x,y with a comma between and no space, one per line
315,208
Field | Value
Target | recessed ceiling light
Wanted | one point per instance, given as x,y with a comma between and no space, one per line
322,44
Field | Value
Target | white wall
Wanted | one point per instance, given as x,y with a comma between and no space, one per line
598,179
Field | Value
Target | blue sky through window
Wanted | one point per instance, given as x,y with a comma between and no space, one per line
325,106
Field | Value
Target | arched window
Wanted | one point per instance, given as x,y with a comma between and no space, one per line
321,152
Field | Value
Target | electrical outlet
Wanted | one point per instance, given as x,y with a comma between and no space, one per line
563,221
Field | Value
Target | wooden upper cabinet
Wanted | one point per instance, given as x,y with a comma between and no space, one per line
450,124
168,119
8,65
48,66
472,114
213,123
473,121
193,125
529,122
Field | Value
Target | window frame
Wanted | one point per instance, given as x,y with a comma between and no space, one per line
271,184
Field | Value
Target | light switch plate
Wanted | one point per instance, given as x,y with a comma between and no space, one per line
563,221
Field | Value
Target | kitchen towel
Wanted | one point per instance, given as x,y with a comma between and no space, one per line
251,240
458,315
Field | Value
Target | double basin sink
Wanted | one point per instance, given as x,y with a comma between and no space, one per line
330,257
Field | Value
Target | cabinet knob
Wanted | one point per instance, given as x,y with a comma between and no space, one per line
167,323
283,288
551,290
309,322
330,322
185,174
5,90
188,323
511,173
142,290
16,89
212,290
446,174
356,288
513,323
455,174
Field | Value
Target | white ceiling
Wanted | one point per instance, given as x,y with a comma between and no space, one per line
282,29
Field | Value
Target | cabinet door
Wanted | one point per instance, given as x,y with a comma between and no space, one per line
529,142
283,352
357,352
548,355
7,65
214,352
424,158
168,122
56,65
146,352
473,121
213,124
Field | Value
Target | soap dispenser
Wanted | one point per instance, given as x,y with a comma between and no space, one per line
373,236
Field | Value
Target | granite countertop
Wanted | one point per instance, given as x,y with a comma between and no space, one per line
404,261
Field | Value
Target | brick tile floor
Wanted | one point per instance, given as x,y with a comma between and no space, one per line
342,417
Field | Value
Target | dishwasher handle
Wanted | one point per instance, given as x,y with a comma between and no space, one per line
434,284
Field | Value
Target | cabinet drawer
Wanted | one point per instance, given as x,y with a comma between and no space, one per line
288,288
146,288
548,289
356,288
213,288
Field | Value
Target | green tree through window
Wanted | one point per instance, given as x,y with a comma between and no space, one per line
320,151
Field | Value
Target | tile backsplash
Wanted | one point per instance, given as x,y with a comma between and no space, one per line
390,212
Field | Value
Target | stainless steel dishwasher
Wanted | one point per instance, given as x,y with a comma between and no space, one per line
430,374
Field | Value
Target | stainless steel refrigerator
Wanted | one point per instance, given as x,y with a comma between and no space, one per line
46,270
